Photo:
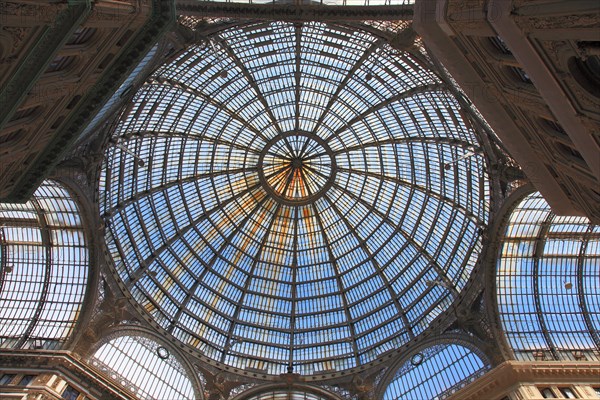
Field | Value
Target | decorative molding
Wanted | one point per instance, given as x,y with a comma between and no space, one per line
516,373
66,365
589,21
17,35
301,12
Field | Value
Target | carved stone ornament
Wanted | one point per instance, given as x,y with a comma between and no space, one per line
464,6
10,8
558,50
17,35
38,395
559,22
363,387
21,14
218,387
405,39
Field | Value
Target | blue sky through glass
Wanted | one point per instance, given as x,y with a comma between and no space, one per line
256,280
435,372
45,266
547,283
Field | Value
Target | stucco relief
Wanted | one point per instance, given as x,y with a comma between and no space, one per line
559,22
12,38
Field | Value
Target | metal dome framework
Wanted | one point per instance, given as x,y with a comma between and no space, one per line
365,231
44,267
547,284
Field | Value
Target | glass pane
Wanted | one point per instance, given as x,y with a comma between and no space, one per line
294,196
435,373
546,311
45,264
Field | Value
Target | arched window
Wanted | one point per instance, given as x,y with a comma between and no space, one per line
587,71
435,373
44,269
145,367
547,283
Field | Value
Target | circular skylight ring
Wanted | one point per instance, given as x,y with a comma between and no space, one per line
297,168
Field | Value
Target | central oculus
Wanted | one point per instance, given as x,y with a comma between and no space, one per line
296,168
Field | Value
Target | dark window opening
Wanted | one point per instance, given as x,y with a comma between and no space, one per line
24,113
11,139
26,380
586,73
60,63
73,102
555,126
81,35
500,45
555,130
57,122
520,74
105,61
70,393
6,379
568,393
570,153
124,38
547,393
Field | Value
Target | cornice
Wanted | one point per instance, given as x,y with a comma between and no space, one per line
67,366
511,373
295,12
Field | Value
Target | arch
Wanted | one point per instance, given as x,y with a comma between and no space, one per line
142,362
586,73
44,273
546,283
466,361
435,368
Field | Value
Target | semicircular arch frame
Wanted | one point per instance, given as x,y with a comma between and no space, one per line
122,331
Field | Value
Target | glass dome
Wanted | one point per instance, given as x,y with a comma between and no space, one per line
294,197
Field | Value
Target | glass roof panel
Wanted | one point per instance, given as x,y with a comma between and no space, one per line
145,367
44,264
279,195
435,373
547,284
